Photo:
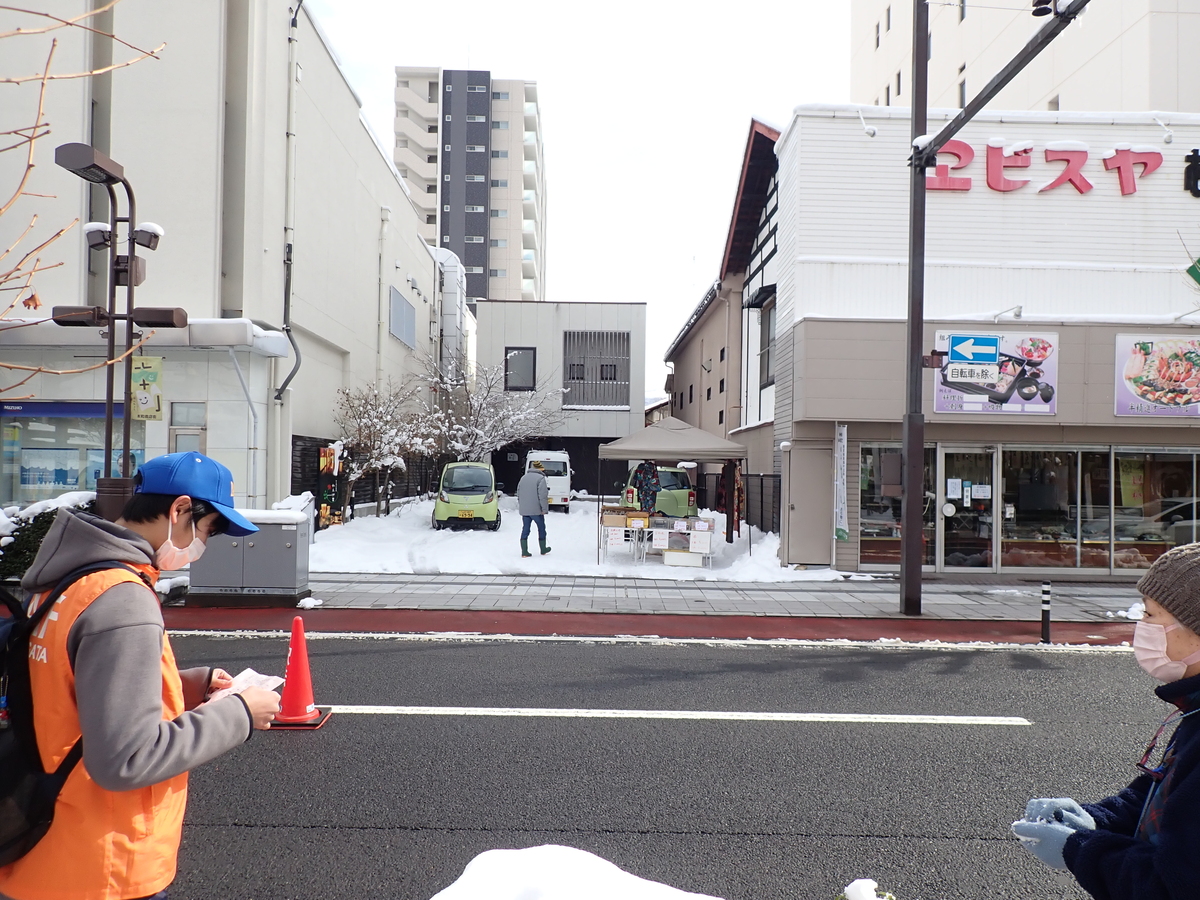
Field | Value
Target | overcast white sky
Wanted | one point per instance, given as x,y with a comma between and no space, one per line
645,111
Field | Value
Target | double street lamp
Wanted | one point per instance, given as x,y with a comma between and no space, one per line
126,270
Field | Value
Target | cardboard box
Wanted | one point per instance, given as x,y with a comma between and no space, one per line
609,520
637,521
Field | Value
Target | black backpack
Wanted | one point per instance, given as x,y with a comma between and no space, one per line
28,793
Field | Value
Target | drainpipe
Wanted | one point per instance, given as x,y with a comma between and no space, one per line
252,495
385,215
289,202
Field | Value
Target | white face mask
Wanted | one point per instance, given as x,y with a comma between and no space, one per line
169,556
1150,649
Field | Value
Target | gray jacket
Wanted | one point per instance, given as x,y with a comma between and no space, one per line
115,648
533,494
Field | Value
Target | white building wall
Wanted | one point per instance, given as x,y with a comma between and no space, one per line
844,221
1133,55
541,324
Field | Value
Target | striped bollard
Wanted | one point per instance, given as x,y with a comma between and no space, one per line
1045,612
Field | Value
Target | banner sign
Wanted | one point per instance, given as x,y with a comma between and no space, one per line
1157,376
841,527
147,388
997,372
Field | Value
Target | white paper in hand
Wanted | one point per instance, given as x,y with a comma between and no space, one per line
248,678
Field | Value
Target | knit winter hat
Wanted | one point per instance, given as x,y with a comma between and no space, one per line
536,464
1173,582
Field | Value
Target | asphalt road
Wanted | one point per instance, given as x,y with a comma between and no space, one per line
396,806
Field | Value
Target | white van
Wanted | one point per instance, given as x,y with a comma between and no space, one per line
557,465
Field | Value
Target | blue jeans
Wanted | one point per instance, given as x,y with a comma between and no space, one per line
540,521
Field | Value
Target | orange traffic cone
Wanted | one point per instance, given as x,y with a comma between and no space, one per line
298,709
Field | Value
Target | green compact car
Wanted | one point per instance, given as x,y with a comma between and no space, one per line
468,496
677,497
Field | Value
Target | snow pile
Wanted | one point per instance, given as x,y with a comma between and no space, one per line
14,518
294,501
310,603
864,889
1135,612
553,873
405,543
164,586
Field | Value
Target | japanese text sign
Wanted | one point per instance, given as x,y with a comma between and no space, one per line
1157,375
997,372
147,388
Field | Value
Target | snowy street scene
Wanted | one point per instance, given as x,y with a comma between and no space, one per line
541,451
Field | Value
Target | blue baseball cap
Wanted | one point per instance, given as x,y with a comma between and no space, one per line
198,476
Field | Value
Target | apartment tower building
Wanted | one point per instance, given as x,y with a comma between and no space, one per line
470,149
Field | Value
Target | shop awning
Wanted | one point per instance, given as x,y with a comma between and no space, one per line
672,439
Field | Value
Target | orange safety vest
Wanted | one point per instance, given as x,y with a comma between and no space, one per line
103,845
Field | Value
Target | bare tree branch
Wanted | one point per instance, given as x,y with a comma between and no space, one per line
67,23
41,112
88,74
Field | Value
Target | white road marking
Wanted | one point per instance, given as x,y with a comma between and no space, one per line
655,640
685,714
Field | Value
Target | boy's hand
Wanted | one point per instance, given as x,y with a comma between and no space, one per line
219,680
263,705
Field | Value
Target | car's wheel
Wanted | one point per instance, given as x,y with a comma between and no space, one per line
437,526
495,526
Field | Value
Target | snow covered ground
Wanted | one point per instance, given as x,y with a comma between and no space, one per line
553,873
405,543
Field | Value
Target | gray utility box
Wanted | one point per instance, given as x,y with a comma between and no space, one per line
269,568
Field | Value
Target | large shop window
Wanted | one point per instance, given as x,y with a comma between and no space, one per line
1154,506
52,448
766,343
879,506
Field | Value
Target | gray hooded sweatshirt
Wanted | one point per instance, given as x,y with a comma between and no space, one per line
115,647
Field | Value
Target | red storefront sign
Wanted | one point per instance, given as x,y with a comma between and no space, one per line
1124,160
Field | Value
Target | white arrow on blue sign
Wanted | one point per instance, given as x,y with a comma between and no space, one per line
975,348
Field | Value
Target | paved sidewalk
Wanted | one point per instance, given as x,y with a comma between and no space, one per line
878,598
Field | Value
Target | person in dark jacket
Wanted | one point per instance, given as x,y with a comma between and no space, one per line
533,496
1141,844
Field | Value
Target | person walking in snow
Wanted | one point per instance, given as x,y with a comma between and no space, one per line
533,496
1141,843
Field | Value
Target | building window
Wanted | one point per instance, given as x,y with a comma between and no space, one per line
473,270
473,239
433,129
499,213
722,354
879,489
431,188
449,88
962,9
500,126
596,364
897,84
499,154
766,340
499,182
708,393
497,273
691,396
876,35
476,148
403,324
499,95
470,178
498,242
888,19
962,88
887,95
520,368
446,209
447,117
722,390
446,177
432,220
473,209
445,238
476,118
720,417
447,148
476,89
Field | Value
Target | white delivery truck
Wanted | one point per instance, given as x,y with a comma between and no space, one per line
557,466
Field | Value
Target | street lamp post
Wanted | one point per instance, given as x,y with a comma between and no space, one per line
127,270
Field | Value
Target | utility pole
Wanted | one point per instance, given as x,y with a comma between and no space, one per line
925,151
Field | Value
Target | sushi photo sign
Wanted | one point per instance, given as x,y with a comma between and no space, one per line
1157,375
997,372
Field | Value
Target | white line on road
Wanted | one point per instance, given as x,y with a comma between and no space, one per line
693,715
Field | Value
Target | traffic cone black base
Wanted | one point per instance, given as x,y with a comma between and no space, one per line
325,712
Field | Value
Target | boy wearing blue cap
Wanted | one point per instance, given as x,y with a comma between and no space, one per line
102,671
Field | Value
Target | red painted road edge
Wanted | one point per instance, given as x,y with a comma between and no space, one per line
421,621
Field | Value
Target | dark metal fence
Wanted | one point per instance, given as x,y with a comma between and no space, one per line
762,498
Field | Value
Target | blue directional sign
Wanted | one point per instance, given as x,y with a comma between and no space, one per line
974,348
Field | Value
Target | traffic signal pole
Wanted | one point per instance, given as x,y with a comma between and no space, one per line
924,155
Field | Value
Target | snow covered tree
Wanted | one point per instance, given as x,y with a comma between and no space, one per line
380,426
473,414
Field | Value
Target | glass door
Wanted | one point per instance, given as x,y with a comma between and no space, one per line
966,498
